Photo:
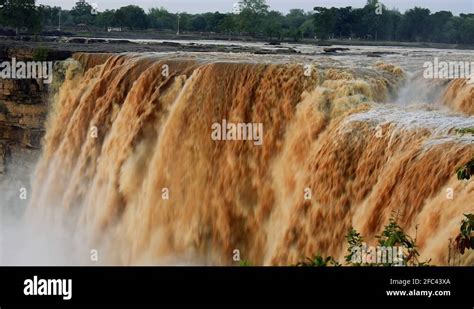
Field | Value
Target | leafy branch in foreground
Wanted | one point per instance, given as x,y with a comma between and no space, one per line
245,263
319,261
465,238
466,171
393,241
394,236
354,240
463,241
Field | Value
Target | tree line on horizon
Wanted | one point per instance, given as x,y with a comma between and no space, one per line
374,21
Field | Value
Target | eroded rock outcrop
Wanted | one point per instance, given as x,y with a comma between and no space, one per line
23,104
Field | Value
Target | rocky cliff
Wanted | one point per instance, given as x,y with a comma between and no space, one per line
23,105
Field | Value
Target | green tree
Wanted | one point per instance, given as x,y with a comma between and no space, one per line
344,22
132,16
107,18
82,13
307,28
251,16
374,22
466,29
198,23
259,7
228,25
324,22
292,22
160,18
295,18
67,18
20,13
212,21
273,25
416,24
439,22
392,23
185,20
48,15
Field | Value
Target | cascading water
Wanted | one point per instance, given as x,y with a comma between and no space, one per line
125,130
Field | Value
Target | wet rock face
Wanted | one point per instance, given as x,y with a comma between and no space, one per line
23,110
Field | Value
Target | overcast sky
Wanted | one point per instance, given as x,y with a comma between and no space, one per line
199,6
